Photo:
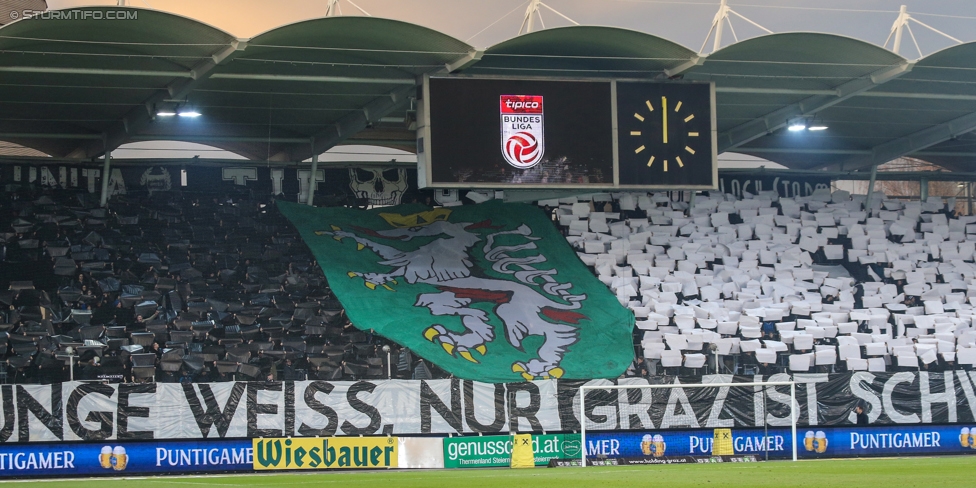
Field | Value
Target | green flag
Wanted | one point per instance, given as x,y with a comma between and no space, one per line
488,292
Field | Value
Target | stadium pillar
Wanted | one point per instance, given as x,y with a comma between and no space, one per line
923,189
691,201
723,14
874,176
530,16
794,414
969,197
311,176
106,173
900,28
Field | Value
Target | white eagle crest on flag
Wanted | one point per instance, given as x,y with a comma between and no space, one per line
522,304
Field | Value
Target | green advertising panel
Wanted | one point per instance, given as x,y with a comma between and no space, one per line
496,451
488,292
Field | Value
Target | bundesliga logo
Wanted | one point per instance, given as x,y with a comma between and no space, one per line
522,136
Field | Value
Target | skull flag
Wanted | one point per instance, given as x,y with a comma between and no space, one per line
488,292
378,188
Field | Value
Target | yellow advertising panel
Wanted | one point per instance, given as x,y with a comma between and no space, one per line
325,453
722,443
522,453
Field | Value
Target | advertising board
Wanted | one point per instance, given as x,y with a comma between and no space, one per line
496,451
325,453
123,458
814,442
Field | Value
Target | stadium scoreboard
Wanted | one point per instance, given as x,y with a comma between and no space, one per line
491,132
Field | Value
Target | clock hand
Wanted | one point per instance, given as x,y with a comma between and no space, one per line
664,117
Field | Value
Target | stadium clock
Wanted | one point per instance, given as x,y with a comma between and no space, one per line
664,134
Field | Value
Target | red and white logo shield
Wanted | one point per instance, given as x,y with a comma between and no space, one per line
523,143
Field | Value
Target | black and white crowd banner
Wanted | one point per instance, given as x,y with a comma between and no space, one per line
377,185
785,186
122,180
78,411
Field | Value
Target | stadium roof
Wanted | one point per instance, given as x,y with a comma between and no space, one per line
72,88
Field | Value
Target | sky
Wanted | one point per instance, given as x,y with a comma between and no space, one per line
683,21
483,23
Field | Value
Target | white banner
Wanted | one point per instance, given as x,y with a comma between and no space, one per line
80,411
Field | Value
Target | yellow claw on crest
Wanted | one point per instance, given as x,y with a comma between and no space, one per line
482,349
388,287
371,286
518,368
322,232
360,246
467,355
556,373
352,274
431,333
448,347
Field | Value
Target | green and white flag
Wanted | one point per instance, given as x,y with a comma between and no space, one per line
488,292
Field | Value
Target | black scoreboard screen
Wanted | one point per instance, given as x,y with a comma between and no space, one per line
599,134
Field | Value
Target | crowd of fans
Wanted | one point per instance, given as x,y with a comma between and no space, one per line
765,285
172,288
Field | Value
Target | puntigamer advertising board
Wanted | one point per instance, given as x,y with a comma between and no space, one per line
495,132
813,442
119,458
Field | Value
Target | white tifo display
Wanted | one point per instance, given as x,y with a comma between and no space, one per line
759,390
768,273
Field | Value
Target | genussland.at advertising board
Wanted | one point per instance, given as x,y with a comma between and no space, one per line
496,451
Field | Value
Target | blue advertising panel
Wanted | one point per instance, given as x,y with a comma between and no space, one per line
889,440
685,443
815,442
124,458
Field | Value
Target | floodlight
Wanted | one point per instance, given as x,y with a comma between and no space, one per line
817,124
796,125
